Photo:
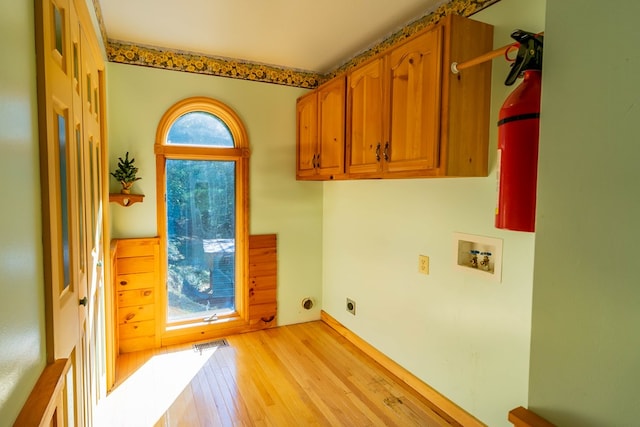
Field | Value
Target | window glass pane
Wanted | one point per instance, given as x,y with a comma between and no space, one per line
64,199
80,190
200,128
92,185
89,91
201,240
57,25
76,62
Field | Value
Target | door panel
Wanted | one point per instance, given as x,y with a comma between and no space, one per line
71,157
58,158
307,121
57,150
91,94
366,129
415,104
331,106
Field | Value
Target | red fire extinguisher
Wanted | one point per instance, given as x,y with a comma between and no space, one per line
518,130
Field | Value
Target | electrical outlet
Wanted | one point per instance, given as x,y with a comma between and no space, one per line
351,306
423,264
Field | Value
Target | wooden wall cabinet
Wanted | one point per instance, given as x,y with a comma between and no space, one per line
406,114
137,293
394,109
366,126
409,116
321,132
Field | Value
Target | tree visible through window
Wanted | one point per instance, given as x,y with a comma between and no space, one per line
203,167
200,237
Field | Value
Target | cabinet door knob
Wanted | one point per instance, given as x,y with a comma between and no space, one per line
386,151
83,301
378,152
130,316
123,283
147,293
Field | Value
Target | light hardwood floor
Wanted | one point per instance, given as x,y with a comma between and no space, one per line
297,375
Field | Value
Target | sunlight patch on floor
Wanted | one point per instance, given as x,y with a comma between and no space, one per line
149,392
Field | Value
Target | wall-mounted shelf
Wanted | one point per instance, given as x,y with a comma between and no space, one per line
125,199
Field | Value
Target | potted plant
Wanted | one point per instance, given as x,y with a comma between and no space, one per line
126,173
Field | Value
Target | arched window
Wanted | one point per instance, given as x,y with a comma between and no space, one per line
202,162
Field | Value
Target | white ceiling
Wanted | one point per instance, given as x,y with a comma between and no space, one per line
307,35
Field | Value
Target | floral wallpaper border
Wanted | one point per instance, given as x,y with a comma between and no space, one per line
454,7
127,53
155,57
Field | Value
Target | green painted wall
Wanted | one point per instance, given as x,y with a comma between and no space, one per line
22,336
467,337
137,99
586,301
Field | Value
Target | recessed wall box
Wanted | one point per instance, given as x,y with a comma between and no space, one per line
478,254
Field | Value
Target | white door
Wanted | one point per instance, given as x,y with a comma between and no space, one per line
70,88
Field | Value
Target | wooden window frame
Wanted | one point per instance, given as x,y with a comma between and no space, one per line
192,331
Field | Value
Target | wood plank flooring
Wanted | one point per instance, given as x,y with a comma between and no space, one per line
296,375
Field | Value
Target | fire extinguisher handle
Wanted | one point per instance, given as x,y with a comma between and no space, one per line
529,54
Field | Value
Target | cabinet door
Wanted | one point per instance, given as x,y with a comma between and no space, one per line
331,118
366,124
414,88
307,138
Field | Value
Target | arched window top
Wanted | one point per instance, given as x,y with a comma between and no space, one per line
201,122
199,128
